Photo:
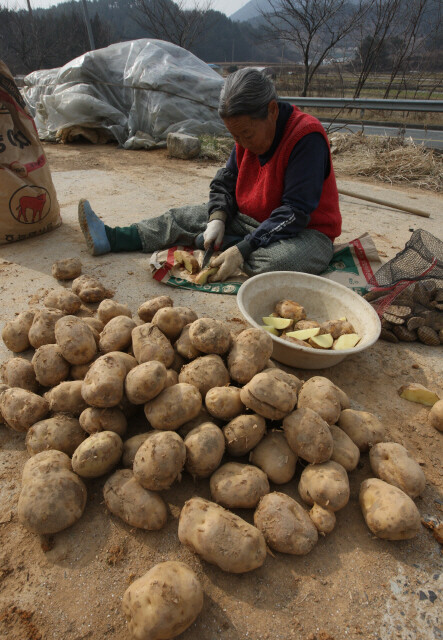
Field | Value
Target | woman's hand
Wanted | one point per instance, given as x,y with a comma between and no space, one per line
213,234
228,263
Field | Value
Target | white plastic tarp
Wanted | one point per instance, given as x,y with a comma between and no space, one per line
138,91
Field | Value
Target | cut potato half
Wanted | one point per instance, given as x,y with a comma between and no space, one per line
304,334
324,341
277,323
346,341
269,329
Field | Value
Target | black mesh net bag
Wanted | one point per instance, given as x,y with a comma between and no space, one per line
420,261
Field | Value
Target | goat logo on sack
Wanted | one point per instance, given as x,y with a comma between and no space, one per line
30,204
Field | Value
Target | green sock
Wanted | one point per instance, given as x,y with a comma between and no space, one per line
124,238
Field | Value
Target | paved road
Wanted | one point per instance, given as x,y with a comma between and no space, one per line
429,138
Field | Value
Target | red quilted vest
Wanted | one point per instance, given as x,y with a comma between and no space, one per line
259,188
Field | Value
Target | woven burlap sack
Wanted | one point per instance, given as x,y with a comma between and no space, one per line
28,201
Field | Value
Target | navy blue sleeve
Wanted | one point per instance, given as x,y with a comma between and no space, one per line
222,189
307,169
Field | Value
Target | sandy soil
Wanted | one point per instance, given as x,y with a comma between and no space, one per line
352,585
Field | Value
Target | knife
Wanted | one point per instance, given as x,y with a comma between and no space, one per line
207,256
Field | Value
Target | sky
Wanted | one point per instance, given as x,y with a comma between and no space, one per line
225,6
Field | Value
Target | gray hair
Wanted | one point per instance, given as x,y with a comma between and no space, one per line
246,92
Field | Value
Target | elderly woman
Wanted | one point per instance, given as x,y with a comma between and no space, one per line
273,207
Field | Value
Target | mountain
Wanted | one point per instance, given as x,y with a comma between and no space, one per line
251,10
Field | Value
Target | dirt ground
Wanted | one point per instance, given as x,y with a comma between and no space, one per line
352,585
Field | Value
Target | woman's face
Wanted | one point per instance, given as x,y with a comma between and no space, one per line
253,134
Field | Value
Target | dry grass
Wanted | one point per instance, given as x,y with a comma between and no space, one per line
391,160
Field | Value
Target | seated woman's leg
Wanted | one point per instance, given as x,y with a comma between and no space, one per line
176,226
310,252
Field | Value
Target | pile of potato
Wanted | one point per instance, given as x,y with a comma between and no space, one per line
290,322
211,399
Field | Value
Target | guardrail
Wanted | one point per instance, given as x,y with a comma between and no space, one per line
365,103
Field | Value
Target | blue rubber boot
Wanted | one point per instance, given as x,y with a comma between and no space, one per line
93,230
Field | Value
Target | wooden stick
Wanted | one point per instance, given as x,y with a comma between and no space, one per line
386,203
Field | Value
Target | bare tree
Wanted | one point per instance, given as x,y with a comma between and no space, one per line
410,38
171,21
314,27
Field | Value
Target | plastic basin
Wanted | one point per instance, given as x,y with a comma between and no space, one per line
322,299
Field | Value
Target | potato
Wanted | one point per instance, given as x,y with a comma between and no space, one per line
89,289
275,457
323,519
3,388
326,484
249,354
67,269
149,308
162,603
435,416
178,362
131,446
184,346
97,455
320,395
75,339
63,299
268,396
290,309
286,526
95,324
171,320
79,371
117,334
306,324
42,330
174,406
243,433
104,382
205,446
50,501
45,463
21,409
18,372
109,309
283,376
144,382
94,420
308,435
159,461
189,262
61,432
418,393
343,398
210,336
362,427
149,343
336,328
171,378
205,373
388,512
66,397
15,332
220,537
392,463
236,485
50,366
345,452
136,506
202,417
224,402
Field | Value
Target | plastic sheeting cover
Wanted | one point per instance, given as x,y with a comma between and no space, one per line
138,91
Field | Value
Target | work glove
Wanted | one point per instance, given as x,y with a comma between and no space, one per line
213,234
228,263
